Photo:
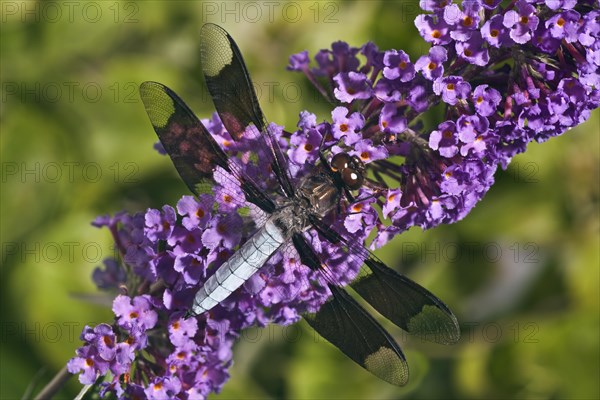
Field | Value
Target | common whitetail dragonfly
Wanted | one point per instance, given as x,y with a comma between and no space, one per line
293,214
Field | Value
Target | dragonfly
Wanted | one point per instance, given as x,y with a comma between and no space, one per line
295,213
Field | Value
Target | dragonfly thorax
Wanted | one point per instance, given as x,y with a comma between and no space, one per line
323,188
319,192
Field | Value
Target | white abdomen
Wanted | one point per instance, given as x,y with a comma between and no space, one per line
239,268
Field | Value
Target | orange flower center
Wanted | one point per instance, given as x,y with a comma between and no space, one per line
107,340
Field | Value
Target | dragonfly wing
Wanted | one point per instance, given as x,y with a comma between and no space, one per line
404,302
231,89
349,327
194,152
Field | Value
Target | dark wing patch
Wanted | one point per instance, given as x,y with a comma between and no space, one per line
349,327
346,325
232,92
194,152
399,299
406,303
228,81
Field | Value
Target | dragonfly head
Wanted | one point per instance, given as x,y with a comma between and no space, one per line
350,169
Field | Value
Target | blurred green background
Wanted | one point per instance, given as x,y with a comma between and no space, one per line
521,272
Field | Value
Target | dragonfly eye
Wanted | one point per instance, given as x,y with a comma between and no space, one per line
352,178
356,163
340,162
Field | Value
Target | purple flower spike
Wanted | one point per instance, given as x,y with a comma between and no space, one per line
558,4
392,202
105,341
486,100
398,66
196,213
433,29
495,33
159,226
431,66
373,55
463,23
522,22
299,62
163,388
391,121
362,217
192,267
341,58
433,5
470,127
347,126
565,26
445,139
111,277
185,241
490,4
181,331
305,146
224,230
307,120
367,153
452,89
136,313
473,50
351,86
88,364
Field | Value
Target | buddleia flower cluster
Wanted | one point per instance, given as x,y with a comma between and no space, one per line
502,77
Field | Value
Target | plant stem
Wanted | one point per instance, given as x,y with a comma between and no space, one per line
54,385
